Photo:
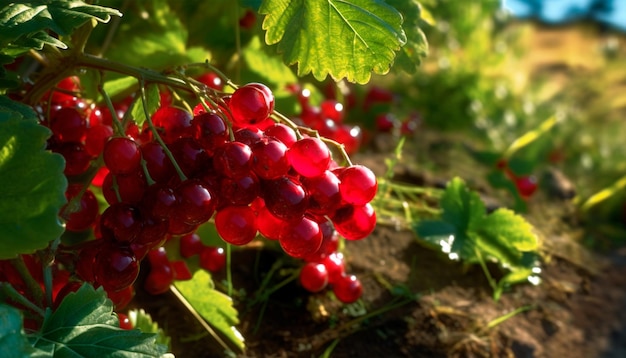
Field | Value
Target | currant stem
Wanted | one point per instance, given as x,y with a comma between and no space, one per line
119,128
229,277
146,173
155,132
33,286
12,293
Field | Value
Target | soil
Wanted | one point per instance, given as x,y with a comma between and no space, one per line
418,303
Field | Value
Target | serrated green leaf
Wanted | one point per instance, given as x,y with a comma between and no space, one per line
461,206
84,325
143,322
153,101
270,68
434,231
416,48
25,25
340,38
215,307
13,342
466,232
504,225
32,184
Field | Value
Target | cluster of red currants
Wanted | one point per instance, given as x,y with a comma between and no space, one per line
230,162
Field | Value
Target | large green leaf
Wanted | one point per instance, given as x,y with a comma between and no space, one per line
32,184
461,206
215,307
25,24
270,68
13,342
151,35
465,231
416,47
84,325
348,39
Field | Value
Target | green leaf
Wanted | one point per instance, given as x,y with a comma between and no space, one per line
416,48
503,225
118,87
84,325
25,25
215,307
143,322
270,68
461,206
32,184
153,101
151,36
340,38
466,232
13,342
434,231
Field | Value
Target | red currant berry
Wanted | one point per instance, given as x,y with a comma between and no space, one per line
310,157
82,216
314,277
335,266
251,103
190,245
210,131
124,321
96,138
212,258
77,160
196,202
269,159
130,187
349,136
121,155
68,125
181,270
236,224
324,196
526,186
161,274
348,289
116,267
212,80
121,220
240,190
158,201
300,239
355,222
172,123
121,298
332,109
358,185
269,225
189,155
158,164
232,159
282,133
285,198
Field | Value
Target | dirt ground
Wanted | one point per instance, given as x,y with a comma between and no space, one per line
417,303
